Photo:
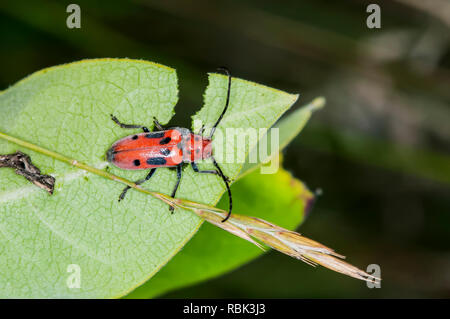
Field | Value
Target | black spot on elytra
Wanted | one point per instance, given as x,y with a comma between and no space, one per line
155,134
197,139
164,151
197,151
156,161
135,137
165,140
137,162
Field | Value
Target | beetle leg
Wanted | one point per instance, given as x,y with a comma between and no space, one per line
139,182
179,171
213,171
157,124
144,128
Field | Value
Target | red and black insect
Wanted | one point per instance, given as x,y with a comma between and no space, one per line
172,147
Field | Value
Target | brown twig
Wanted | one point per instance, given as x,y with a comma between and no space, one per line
21,162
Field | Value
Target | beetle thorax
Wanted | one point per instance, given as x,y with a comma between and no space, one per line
196,148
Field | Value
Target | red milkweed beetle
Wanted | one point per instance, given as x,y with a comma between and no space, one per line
172,147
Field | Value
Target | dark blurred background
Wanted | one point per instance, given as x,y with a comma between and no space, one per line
379,150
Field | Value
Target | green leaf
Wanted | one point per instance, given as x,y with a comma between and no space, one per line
212,251
288,128
117,246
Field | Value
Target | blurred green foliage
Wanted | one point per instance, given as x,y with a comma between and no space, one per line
380,150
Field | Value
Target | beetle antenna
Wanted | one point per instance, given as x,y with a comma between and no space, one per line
213,129
225,179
